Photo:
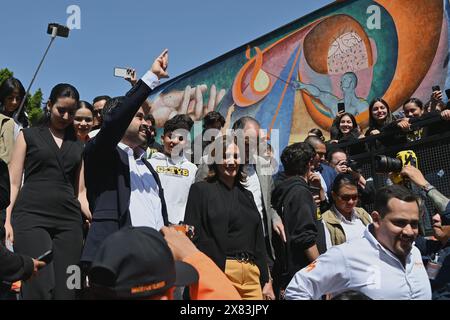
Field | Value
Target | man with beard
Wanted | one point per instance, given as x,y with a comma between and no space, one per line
383,264
122,187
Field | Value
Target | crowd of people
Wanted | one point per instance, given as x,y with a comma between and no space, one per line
211,219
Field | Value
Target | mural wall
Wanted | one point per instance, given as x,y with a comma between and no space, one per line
293,78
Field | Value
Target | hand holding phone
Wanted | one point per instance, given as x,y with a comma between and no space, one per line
123,72
46,257
341,107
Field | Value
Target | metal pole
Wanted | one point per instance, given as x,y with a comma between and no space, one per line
17,113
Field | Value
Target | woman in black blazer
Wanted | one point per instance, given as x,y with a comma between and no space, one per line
228,227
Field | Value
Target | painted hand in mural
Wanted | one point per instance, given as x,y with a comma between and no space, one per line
189,101
353,104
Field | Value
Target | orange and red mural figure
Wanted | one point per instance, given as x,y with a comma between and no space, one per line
293,78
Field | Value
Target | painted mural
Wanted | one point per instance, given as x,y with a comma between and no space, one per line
293,78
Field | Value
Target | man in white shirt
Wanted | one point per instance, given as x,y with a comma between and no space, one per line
383,264
122,187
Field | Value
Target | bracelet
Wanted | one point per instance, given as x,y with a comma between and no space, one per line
427,188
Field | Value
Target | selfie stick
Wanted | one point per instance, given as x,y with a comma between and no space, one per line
53,37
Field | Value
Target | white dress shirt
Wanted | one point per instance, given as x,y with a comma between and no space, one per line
254,187
366,266
145,204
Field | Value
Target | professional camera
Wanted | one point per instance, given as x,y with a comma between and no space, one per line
353,164
385,164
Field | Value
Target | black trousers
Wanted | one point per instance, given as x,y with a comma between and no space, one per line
52,282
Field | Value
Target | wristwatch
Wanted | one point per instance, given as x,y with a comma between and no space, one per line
427,188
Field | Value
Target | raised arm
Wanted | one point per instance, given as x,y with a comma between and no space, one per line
116,122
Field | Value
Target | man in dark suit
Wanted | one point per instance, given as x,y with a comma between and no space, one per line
122,187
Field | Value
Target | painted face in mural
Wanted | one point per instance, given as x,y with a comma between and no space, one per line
412,110
348,82
346,125
379,111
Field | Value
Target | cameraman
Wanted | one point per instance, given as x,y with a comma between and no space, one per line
340,162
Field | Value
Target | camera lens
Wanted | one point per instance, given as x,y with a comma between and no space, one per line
384,164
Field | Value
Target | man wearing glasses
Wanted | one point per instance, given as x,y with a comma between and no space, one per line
382,264
344,221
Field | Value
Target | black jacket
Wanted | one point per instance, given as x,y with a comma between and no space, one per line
294,203
13,266
107,173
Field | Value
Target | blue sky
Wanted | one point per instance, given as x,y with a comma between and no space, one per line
131,33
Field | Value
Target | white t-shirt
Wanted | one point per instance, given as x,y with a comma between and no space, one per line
366,266
176,180
353,229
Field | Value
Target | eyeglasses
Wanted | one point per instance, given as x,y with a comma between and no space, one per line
62,111
80,119
348,197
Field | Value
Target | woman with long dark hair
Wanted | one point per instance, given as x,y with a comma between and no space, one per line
45,212
345,129
12,93
379,116
228,227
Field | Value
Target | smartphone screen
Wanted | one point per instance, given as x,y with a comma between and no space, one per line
341,107
436,88
121,72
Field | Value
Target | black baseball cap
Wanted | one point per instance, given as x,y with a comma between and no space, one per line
136,262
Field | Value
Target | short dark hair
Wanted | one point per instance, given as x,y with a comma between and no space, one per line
343,179
317,132
314,141
296,157
100,98
212,117
241,122
180,121
385,194
333,151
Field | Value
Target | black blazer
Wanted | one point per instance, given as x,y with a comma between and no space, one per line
107,173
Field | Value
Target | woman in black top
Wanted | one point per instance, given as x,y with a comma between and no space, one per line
345,130
379,116
45,212
228,227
